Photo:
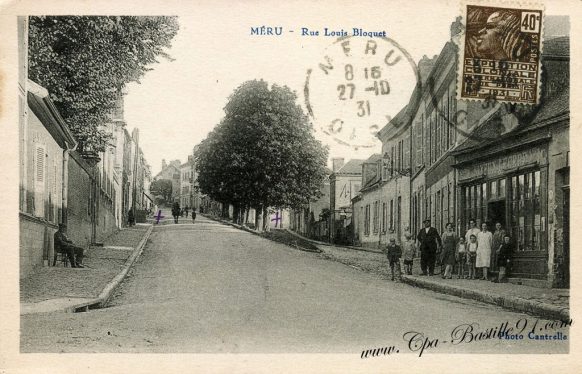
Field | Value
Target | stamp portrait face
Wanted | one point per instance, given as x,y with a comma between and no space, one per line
501,54
357,87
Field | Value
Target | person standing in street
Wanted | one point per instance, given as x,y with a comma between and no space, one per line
484,244
176,211
193,214
473,230
394,252
408,253
461,257
498,236
429,242
449,239
472,248
130,218
503,258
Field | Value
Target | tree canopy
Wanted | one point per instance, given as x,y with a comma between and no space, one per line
84,62
162,187
263,153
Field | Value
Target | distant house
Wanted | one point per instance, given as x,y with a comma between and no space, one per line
313,220
344,183
171,172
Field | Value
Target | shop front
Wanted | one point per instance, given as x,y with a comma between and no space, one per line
510,187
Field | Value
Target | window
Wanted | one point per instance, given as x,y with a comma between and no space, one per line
39,178
493,190
438,211
391,214
376,211
367,220
384,218
526,212
501,188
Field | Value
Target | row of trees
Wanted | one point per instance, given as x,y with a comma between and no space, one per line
84,62
262,155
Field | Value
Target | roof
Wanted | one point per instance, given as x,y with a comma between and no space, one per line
396,124
376,177
353,166
555,106
39,100
374,158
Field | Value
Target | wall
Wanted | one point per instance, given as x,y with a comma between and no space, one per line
85,208
388,225
40,205
79,209
36,243
558,177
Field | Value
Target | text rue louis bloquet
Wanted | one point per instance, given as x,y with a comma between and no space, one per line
467,333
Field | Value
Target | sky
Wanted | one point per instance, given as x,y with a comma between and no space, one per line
180,101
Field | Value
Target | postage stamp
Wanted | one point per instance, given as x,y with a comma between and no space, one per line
358,86
501,52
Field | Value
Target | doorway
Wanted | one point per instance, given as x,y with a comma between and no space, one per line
496,213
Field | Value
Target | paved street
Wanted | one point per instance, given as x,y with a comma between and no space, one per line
208,287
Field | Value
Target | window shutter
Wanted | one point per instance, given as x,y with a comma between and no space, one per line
39,185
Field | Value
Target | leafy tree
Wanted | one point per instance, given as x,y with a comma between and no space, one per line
263,153
162,187
84,62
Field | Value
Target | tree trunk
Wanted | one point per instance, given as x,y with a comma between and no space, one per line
258,223
247,214
266,218
235,212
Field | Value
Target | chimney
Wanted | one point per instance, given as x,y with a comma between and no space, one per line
456,27
164,165
425,66
337,163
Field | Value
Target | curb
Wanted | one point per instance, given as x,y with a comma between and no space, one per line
316,242
240,227
508,302
105,295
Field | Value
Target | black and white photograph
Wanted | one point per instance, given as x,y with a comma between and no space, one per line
386,183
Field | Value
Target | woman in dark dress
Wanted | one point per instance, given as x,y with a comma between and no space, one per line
449,239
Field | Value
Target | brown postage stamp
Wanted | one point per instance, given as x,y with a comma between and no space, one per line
501,52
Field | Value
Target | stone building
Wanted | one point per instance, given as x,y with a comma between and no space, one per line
514,169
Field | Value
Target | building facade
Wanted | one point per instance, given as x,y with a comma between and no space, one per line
515,170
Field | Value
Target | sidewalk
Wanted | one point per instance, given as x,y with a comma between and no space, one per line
58,288
544,302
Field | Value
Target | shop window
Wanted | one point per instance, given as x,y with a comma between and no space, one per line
493,190
501,188
526,212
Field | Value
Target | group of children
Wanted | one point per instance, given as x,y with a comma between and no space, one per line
465,256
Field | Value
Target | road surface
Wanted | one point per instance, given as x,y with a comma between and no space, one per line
211,288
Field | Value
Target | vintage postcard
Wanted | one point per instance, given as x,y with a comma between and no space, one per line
229,186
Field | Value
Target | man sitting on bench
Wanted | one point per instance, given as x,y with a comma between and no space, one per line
65,245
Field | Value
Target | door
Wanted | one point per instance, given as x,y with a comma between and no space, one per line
496,213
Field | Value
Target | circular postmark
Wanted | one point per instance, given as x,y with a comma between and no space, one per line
358,87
